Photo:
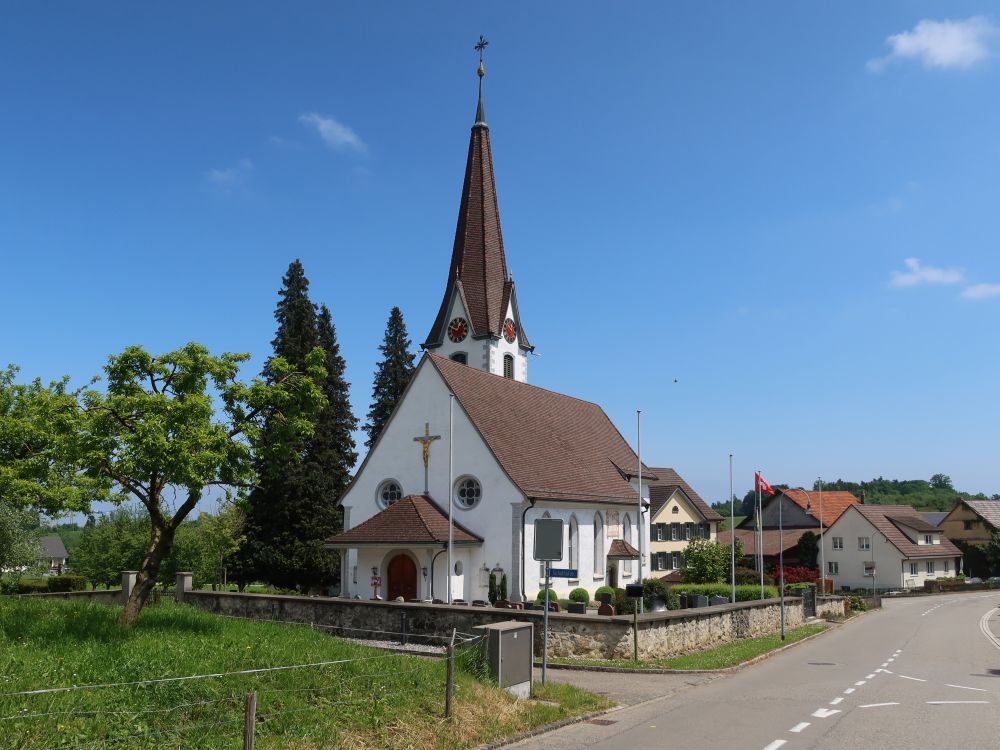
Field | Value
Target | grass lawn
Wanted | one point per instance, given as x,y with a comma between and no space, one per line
375,700
728,655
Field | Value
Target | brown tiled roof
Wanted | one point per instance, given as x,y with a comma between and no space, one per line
622,550
882,517
988,510
773,541
478,266
917,524
553,447
669,480
52,547
415,519
835,502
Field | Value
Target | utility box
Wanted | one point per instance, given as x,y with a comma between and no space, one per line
509,651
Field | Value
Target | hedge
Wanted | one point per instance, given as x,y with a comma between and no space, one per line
579,595
67,583
746,593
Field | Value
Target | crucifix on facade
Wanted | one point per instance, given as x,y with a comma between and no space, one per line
425,441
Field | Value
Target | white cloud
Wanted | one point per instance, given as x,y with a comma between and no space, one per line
334,133
981,291
230,177
918,274
941,44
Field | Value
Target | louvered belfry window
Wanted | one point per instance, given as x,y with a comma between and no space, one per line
508,366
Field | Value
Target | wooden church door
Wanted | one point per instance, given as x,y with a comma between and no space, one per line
402,578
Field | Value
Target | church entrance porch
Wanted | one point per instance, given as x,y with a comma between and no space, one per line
612,576
402,575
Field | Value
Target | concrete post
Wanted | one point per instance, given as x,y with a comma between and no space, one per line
128,583
182,587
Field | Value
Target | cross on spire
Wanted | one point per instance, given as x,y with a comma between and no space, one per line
480,46
425,441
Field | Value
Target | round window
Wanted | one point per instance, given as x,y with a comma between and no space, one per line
468,492
388,493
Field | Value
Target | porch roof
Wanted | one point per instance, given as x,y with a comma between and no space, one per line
415,520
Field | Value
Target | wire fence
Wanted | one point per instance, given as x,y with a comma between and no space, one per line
247,702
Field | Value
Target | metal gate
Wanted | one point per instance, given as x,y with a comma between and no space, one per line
809,601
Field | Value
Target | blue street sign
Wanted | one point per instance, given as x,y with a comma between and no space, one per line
563,572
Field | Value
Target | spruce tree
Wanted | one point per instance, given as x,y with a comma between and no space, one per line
391,377
295,508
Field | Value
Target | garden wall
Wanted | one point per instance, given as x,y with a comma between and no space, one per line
661,634
111,596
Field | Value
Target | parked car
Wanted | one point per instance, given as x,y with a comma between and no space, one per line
974,579
993,579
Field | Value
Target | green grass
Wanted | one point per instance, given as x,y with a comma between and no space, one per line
720,657
379,700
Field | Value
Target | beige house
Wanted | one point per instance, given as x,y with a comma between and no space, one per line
972,521
677,515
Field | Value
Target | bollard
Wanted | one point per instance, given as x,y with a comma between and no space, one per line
184,584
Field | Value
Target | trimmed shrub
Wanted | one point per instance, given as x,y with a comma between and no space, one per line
32,586
795,589
502,591
492,593
604,590
623,605
796,574
654,588
579,595
66,583
743,593
748,576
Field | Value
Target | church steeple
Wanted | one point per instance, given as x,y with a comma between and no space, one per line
480,292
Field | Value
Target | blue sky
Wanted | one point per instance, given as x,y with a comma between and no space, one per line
790,209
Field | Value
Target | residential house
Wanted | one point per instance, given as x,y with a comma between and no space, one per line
887,547
53,553
972,521
677,515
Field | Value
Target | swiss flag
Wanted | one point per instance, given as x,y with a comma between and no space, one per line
761,484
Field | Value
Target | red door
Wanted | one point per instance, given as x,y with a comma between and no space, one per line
402,578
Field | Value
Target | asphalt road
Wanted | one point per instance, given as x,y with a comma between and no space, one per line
920,673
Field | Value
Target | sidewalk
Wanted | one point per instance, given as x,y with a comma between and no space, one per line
628,689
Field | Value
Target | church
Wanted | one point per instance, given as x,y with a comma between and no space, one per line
471,432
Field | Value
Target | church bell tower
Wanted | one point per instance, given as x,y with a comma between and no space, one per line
478,322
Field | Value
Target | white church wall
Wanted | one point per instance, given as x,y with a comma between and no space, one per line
397,456
501,347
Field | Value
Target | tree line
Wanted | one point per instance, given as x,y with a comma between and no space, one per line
167,431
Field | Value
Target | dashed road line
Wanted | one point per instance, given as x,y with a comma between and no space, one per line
985,628
859,683
775,745
915,679
877,705
870,676
836,700
799,727
825,713
848,691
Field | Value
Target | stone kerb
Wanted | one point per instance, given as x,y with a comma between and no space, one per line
661,634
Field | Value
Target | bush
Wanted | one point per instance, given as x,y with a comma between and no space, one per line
857,604
604,590
796,574
579,595
744,593
795,589
492,592
654,588
31,586
67,583
749,576
623,605
540,596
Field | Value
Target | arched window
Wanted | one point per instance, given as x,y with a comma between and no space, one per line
460,357
627,536
388,492
598,545
468,492
574,544
508,366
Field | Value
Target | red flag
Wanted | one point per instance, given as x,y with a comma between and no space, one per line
761,484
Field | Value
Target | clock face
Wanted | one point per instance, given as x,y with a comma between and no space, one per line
509,331
458,329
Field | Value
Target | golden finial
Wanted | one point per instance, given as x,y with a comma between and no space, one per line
480,46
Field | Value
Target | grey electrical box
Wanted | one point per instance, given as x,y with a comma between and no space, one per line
548,539
509,651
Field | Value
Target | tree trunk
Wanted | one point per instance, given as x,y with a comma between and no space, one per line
161,540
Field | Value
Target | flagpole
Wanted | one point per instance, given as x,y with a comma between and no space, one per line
760,534
638,450
732,530
451,500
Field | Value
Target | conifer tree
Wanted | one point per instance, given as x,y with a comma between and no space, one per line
295,508
391,377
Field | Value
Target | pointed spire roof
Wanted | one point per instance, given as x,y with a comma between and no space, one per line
478,271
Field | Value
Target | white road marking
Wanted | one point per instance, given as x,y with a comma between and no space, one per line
869,676
915,679
836,700
964,687
948,703
848,691
985,628
884,664
826,713
877,705
799,727
893,659
775,745
859,683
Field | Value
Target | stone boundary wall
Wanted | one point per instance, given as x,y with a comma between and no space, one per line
112,596
662,634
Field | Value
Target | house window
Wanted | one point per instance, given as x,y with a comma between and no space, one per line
627,536
838,542
864,542
833,568
661,560
461,357
688,531
508,366
913,569
928,539
661,532
969,525
675,532
468,492
675,560
675,509
947,566
574,543
388,493
930,567
598,546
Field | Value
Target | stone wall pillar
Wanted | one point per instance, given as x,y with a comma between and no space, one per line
128,583
183,586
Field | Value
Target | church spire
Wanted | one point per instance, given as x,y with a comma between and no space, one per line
479,294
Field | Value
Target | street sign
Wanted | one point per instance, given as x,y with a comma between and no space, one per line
548,539
564,572
633,590
869,570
